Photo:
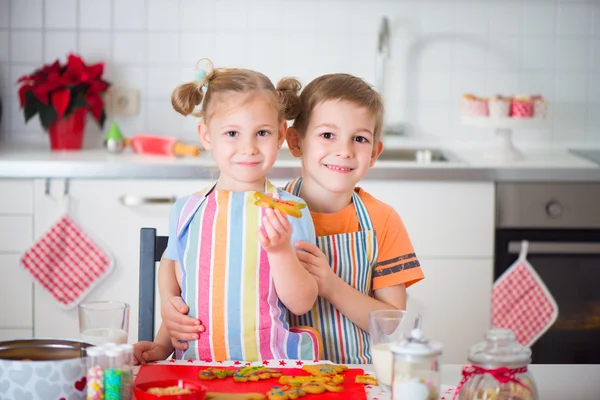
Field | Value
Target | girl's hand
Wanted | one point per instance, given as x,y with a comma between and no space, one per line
144,352
180,326
317,264
276,232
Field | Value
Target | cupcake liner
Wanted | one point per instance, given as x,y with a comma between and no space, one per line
499,108
521,109
540,108
475,107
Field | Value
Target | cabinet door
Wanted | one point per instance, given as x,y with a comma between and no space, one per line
443,219
112,212
16,292
12,334
455,301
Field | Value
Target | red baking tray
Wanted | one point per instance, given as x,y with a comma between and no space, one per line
161,372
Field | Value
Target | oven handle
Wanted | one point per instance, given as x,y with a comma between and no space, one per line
556,248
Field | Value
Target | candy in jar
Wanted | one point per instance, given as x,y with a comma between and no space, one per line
498,371
416,370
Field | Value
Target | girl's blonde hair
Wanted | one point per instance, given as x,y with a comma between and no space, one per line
343,87
221,81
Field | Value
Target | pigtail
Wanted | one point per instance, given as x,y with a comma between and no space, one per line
288,88
186,97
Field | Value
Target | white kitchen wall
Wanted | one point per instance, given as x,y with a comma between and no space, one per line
440,49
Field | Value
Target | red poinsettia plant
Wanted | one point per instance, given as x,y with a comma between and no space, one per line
56,91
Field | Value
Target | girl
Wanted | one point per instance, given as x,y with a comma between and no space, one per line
232,262
364,259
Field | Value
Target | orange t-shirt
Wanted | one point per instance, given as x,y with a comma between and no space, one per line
396,261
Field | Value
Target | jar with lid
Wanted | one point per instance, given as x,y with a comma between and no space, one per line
498,371
416,370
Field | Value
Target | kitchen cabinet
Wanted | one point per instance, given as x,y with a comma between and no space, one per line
16,235
112,212
451,225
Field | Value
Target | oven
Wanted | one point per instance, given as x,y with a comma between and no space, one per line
561,222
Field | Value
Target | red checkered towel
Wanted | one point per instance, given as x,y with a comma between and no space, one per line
67,262
521,301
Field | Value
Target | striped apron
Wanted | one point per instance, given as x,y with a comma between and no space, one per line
227,283
352,256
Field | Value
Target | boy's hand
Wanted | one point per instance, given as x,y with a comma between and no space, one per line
317,264
144,352
180,326
276,232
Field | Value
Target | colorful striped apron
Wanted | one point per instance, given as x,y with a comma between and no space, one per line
227,283
352,256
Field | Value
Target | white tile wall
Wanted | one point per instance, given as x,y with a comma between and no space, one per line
440,49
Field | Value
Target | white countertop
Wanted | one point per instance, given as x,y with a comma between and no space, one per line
547,164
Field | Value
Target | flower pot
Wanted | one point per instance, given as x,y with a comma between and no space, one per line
67,133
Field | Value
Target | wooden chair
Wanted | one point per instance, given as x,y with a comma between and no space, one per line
152,248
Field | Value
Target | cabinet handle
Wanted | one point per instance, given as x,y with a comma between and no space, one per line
136,201
577,248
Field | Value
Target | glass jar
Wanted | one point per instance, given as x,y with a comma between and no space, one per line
416,370
499,370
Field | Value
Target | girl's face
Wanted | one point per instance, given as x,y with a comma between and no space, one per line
244,135
338,146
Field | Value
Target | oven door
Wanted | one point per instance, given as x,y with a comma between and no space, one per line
568,261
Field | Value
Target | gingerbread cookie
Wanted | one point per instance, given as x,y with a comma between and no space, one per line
366,380
285,393
300,380
254,374
234,396
314,388
209,374
324,369
331,386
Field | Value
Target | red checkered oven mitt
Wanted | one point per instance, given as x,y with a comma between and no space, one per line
521,301
67,262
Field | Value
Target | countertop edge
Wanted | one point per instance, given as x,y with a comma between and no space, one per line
12,169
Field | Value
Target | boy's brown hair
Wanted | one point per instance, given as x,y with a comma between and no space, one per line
342,87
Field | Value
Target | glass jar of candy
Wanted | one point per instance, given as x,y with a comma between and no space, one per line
498,371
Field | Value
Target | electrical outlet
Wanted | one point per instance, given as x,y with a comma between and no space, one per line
123,101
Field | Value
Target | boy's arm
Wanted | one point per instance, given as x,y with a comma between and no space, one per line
176,323
163,341
355,305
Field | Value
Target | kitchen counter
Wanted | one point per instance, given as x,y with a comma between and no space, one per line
551,165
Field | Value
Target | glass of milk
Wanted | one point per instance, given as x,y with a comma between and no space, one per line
387,327
104,322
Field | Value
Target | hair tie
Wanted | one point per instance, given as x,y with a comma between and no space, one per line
202,72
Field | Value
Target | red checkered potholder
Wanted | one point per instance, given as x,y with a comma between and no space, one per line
67,262
521,301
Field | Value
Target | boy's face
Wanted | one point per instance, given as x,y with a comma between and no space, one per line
338,147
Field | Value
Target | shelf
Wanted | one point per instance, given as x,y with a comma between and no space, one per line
506,123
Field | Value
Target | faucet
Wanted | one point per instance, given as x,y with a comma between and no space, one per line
383,54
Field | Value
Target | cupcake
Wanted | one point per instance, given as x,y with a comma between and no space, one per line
540,107
473,106
521,106
499,106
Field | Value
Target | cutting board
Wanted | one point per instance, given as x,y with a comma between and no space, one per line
158,372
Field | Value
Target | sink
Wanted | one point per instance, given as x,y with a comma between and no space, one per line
421,156
424,156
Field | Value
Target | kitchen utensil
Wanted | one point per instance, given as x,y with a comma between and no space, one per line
42,369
